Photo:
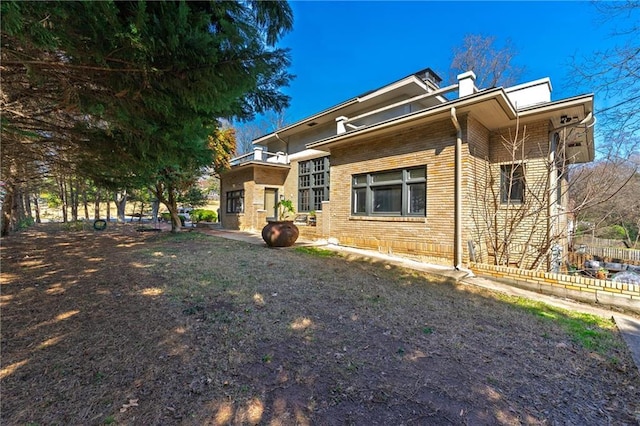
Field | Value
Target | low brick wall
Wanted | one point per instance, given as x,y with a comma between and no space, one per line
577,287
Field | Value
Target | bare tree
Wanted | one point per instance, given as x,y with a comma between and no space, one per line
606,195
614,75
246,133
493,66
523,215
511,212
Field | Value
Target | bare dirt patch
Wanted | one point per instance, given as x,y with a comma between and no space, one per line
125,327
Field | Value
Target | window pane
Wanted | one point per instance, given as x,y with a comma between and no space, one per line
387,199
318,197
360,180
313,175
417,173
512,183
318,179
417,198
388,176
235,201
360,200
303,200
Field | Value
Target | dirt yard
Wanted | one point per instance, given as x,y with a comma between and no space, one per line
147,328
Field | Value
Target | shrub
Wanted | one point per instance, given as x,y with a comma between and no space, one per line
203,215
25,223
166,216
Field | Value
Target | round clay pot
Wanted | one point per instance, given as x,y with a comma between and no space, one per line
280,233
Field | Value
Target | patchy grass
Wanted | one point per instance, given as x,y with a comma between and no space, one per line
316,251
592,332
124,327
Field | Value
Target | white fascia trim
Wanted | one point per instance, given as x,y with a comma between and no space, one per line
498,94
530,84
265,138
394,86
412,79
560,104
307,154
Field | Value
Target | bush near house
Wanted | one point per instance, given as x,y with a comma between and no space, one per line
203,215
166,217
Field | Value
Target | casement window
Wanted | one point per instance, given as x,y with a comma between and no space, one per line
512,184
235,201
400,192
313,184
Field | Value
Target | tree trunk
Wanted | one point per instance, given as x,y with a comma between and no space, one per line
155,207
170,202
121,203
19,206
73,195
85,202
7,212
27,205
96,206
36,206
62,191
172,205
108,209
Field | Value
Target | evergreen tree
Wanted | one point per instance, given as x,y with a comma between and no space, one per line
133,90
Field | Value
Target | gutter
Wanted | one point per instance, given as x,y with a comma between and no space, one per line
497,94
458,193
286,145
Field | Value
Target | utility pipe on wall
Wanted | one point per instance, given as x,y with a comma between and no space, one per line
458,192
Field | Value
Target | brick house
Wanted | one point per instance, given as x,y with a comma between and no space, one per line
450,175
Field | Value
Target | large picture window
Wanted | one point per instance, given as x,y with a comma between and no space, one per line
235,201
313,184
512,184
390,193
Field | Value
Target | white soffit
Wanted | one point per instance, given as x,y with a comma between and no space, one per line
411,85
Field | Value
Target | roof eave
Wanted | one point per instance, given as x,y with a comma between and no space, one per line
461,104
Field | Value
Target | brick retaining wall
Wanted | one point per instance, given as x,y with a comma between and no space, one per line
577,287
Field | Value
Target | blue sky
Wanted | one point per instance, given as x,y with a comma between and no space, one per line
342,49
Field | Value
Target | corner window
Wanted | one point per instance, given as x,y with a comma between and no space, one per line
313,184
390,193
235,201
512,184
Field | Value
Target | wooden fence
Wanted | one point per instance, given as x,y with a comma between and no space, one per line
598,242
610,254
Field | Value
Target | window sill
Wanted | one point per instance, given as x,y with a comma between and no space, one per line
389,219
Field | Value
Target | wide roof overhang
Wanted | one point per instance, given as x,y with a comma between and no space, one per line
493,109
408,87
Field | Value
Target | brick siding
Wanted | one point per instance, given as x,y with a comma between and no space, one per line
575,287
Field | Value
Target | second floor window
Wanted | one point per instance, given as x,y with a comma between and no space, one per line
313,184
235,201
512,184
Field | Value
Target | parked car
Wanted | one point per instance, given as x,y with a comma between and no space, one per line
186,212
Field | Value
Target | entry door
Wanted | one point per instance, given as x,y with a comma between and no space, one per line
270,203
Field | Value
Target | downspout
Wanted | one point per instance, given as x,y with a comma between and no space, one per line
286,145
458,193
